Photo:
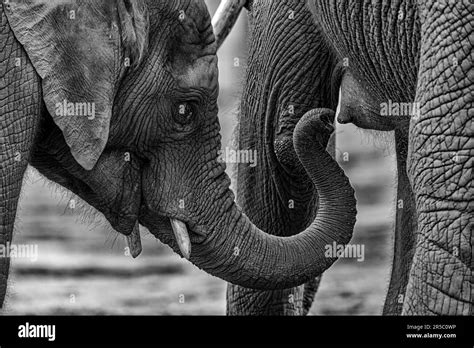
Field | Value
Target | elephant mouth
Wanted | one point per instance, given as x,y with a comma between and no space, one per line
177,231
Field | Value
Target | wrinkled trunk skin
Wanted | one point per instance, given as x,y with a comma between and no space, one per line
284,80
19,114
440,163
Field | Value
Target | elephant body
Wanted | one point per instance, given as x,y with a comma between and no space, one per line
416,52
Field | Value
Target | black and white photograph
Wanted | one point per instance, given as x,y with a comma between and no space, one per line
257,159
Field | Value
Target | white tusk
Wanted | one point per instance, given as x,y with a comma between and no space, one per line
182,237
225,17
134,241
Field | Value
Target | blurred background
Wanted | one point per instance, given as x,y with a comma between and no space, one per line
82,267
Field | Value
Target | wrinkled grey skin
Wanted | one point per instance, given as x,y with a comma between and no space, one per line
173,170
284,80
421,53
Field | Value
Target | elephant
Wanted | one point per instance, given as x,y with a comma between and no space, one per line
409,70
283,82
117,102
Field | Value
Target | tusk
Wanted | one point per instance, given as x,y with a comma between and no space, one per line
134,242
225,17
182,237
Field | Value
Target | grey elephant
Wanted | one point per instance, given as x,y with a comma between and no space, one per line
409,70
116,101
283,82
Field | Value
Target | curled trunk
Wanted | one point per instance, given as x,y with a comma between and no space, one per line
237,251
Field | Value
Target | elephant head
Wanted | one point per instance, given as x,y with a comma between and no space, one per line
148,153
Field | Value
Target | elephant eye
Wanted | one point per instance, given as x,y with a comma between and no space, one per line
184,113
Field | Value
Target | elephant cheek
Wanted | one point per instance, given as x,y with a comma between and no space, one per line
162,193
150,191
120,184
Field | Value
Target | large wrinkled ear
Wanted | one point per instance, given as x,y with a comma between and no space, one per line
80,49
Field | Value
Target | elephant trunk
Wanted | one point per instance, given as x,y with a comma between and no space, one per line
238,252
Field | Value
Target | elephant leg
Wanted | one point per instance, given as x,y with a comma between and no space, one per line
405,230
20,106
440,161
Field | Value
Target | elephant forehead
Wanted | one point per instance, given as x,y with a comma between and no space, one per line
201,73
195,62
184,35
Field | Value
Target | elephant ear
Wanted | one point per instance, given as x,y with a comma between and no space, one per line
78,48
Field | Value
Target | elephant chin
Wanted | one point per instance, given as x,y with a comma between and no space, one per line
228,245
